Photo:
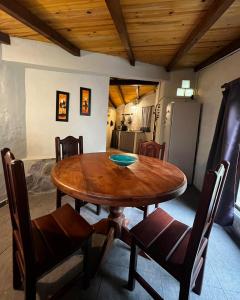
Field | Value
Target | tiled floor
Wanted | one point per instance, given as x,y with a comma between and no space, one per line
222,276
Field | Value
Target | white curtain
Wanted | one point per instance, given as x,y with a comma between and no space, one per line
146,118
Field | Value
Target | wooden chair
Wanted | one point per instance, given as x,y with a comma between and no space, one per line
64,148
151,149
40,244
177,248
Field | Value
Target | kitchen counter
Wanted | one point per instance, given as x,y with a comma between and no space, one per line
127,141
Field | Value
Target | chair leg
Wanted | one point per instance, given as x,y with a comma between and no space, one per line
199,281
17,280
98,209
156,205
77,206
184,291
58,199
132,266
29,289
145,212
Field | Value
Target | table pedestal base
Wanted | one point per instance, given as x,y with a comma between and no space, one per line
117,220
115,226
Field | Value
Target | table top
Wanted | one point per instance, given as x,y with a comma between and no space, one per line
96,179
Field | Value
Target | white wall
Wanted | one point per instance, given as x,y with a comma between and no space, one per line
209,85
41,86
49,55
12,113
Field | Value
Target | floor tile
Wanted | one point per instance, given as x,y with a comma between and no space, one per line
232,295
113,285
222,272
210,293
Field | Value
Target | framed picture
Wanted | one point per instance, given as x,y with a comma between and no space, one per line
85,101
62,106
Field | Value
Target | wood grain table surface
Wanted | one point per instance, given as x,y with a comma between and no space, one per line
96,179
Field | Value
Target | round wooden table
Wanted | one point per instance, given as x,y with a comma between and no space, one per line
96,179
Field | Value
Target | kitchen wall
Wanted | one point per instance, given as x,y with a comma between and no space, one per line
42,128
111,121
12,113
135,110
209,89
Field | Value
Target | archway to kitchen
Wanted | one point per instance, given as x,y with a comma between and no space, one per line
131,113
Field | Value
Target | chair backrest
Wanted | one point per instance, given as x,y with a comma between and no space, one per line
152,149
209,200
68,146
19,209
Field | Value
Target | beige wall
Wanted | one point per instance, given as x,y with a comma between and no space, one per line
209,85
41,126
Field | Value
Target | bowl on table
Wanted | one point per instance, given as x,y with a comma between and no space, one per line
122,160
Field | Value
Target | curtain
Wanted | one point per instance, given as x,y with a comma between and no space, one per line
146,118
225,146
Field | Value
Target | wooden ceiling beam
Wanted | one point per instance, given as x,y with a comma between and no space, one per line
4,38
121,94
143,95
115,10
137,92
22,14
116,81
230,48
215,11
111,102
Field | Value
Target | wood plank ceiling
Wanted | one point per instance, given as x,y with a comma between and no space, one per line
124,94
156,30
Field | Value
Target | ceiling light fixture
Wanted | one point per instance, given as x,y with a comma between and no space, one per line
185,90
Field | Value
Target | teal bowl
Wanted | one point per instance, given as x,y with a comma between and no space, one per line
122,159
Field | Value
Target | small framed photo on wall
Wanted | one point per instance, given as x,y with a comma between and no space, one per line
62,106
85,101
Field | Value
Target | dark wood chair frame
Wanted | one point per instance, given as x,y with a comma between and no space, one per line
64,148
151,149
23,251
191,271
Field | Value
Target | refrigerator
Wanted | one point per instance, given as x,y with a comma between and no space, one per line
181,134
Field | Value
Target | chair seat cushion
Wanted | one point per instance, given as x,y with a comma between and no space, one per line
57,235
163,238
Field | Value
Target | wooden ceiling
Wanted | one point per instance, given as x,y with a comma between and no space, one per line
124,94
169,33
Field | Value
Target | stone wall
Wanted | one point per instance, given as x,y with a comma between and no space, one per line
38,175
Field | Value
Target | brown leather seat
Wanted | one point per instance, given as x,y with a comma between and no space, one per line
178,248
151,149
